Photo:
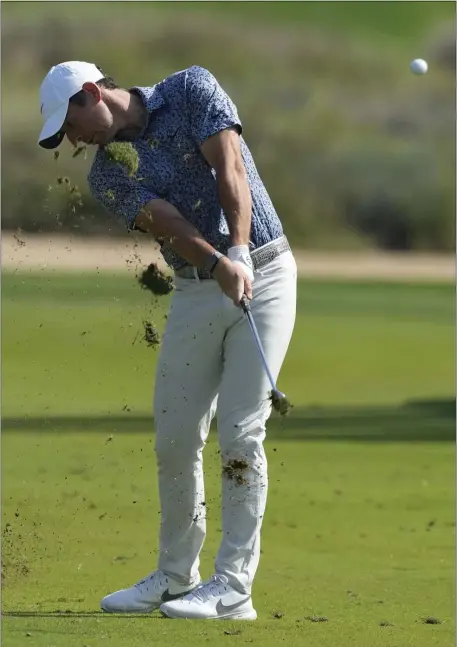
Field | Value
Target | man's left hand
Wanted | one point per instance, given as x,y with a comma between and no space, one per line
240,254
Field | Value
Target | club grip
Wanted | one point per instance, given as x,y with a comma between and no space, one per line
245,304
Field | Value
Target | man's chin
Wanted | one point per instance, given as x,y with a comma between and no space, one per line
125,136
102,140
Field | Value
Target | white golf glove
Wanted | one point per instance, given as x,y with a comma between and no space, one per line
240,254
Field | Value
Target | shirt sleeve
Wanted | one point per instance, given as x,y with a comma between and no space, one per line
122,196
211,109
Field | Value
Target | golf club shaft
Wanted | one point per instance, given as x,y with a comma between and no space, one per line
248,313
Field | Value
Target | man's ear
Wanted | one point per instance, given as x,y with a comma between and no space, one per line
94,91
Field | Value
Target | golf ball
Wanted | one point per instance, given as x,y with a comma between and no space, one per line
418,66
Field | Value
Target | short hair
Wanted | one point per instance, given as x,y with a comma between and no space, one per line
106,82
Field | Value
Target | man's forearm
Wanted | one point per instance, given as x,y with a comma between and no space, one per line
163,220
235,200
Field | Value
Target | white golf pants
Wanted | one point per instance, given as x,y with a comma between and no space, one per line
209,362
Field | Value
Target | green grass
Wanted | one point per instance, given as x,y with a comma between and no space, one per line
357,533
361,518
353,344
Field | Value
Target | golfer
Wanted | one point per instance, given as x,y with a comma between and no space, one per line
197,191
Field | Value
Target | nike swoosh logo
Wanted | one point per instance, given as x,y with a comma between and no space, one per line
222,608
168,597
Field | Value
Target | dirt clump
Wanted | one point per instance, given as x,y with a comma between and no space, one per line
317,618
151,335
124,153
156,281
235,470
14,562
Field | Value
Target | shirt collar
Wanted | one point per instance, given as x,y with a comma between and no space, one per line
151,97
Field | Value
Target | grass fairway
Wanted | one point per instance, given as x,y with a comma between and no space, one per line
360,521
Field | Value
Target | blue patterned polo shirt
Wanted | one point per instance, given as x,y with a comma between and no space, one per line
184,110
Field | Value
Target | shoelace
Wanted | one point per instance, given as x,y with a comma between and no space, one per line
144,584
210,588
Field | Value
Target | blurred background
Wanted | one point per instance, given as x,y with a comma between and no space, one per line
355,151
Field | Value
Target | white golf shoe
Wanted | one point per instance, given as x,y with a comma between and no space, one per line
214,599
145,596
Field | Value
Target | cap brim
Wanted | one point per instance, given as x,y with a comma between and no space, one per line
51,136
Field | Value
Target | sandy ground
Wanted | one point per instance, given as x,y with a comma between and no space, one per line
51,252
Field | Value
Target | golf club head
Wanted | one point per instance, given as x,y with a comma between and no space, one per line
280,403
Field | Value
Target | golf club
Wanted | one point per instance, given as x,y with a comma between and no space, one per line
279,401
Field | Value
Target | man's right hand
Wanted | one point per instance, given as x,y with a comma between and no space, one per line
233,280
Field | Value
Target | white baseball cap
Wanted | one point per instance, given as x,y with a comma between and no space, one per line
59,85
